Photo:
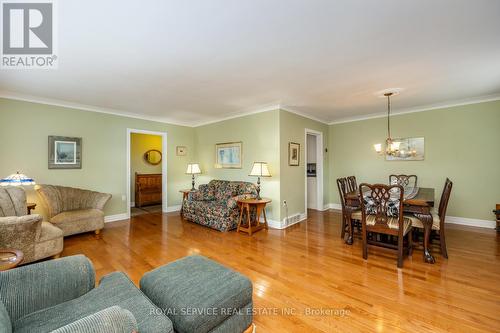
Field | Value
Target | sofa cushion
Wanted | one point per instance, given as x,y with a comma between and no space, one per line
436,221
214,208
76,216
114,289
197,293
76,221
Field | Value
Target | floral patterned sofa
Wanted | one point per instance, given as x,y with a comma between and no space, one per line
215,204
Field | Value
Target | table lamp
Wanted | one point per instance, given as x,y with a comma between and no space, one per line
259,169
193,169
17,179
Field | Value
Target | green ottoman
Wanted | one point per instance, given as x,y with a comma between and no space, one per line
200,295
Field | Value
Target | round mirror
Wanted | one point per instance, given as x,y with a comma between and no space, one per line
153,156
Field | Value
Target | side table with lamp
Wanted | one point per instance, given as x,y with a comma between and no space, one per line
259,169
192,169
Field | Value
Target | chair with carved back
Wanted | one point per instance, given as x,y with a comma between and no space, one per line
438,217
347,210
351,184
403,180
382,213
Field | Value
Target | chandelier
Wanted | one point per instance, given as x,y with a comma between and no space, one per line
391,146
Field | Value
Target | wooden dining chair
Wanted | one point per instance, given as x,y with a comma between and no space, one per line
351,184
438,217
347,210
403,180
382,213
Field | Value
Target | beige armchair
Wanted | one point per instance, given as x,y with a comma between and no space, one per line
73,210
23,232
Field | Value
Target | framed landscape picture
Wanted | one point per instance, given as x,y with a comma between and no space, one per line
65,152
293,154
410,149
228,155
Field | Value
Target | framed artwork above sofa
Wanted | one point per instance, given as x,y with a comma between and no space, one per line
228,155
65,152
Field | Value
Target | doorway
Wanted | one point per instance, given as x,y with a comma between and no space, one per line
146,172
314,170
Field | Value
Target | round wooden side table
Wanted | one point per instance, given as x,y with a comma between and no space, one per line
250,226
30,206
10,258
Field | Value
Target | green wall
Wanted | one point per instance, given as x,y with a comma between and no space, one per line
292,129
23,137
140,144
460,143
261,142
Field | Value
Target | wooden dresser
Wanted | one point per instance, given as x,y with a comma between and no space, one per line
147,189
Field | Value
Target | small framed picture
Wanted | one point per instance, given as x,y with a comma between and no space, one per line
293,154
180,151
65,152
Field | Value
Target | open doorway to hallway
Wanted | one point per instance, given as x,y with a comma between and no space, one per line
314,169
146,172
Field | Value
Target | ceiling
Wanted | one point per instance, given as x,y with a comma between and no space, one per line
192,62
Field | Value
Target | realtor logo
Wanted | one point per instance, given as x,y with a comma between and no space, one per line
28,34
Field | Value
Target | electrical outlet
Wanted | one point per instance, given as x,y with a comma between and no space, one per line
284,202
124,197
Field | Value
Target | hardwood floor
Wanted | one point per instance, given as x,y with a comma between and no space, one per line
307,280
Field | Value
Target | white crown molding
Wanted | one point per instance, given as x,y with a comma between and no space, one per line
475,100
92,108
302,114
239,115
85,107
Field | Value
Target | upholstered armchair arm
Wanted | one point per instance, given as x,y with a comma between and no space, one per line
21,233
233,202
96,200
110,320
27,289
50,197
202,194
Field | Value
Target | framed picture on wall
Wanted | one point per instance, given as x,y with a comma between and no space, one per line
180,151
293,154
228,155
65,152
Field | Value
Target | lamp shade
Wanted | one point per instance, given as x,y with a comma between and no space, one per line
260,169
17,179
193,169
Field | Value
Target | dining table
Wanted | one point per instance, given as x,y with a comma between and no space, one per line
419,203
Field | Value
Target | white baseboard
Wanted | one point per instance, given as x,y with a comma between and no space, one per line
132,204
490,224
284,223
470,222
116,217
175,208
333,206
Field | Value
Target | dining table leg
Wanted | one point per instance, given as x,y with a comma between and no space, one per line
427,222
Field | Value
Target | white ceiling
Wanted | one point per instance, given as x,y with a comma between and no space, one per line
193,62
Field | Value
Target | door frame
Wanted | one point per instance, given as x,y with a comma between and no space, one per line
319,168
163,166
